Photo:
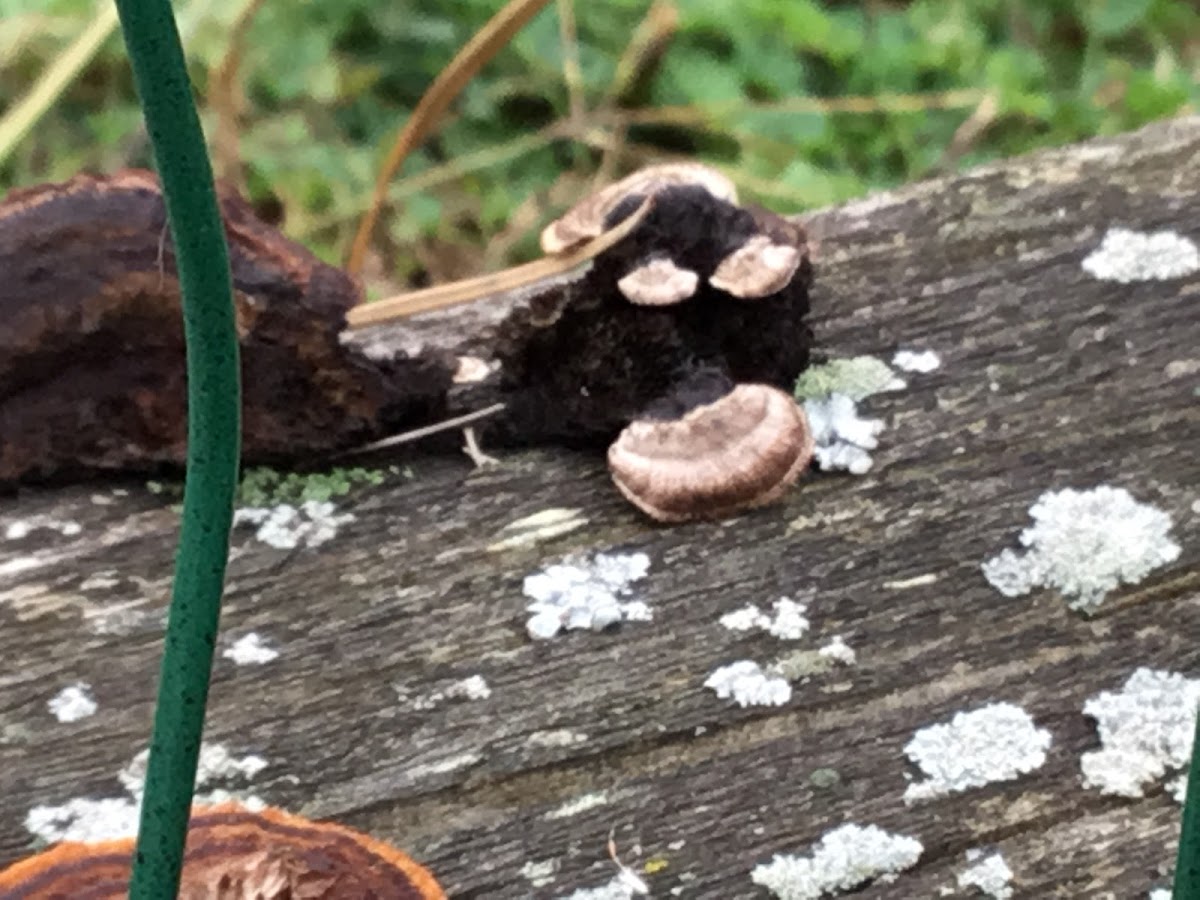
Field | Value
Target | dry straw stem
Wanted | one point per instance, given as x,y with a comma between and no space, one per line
227,99
469,289
449,83
26,113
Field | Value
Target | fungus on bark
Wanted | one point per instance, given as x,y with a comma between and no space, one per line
700,283
590,217
91,339
719,457
235,854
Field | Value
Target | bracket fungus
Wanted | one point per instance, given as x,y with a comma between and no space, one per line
739,451
235,854
701,283
91,339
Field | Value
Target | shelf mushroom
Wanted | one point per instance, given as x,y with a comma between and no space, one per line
737,452
756,261
700,311
235,854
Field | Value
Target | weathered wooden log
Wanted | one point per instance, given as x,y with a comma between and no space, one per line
1069,359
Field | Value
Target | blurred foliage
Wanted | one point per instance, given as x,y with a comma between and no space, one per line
325,86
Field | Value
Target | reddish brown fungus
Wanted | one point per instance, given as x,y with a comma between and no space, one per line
235,854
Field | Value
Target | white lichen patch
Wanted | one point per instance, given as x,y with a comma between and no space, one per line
1129,256
920,361
109,818
473,687
989,874
538,528
250,650
998,742
746,684
1160,894
786,620
73,703
580,804
842,437
843,859
1146,731
1084,544
286,527
1178,789
830,393
839,651
22,528
580,594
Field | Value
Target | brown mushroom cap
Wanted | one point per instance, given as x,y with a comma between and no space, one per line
585,220
658,282
758,268
235,854
738,452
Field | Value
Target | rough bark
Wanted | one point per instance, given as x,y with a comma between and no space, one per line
1050,378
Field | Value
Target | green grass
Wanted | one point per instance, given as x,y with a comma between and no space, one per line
326,85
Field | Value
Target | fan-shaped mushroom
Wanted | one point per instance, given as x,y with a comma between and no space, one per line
737,452
235,854
587,219
758,268
658,282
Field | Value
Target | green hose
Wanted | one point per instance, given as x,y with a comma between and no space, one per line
214,403
1187,864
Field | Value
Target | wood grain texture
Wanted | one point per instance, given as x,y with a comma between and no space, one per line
1050,379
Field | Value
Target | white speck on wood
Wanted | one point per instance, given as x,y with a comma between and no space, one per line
1130,256
747,684
1146,731
555,738
786,621
844,858
250,650
442,766
998,742
473,687
916,581
578,805
839,651
73,703
539,874
22,528
920,361
990,874
1084,544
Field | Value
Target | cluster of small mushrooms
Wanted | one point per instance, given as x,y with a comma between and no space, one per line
235,854
687,336
675,346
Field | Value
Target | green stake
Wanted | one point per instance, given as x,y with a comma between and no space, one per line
1187,865
213,440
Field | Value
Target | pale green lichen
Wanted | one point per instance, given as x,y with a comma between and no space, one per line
856,378
261,487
